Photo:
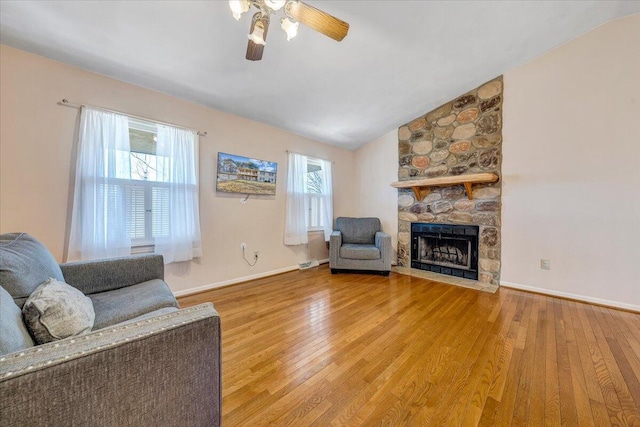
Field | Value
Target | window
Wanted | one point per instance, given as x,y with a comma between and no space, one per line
136,189
147,192
309,204
315,200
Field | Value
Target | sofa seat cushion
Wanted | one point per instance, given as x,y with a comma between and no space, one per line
353,251
25,265
127,303
14,335
151,314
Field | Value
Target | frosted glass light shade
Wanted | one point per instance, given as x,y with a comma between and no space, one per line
238,7
257,35
289,27
275,4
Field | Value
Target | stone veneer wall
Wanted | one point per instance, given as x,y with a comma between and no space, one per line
460,137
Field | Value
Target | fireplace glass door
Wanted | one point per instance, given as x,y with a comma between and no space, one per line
445,249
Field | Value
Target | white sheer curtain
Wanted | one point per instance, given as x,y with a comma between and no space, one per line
181,242
295,228
327,199
99,222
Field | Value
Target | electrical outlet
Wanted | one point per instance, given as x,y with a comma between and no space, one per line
545,264
243,246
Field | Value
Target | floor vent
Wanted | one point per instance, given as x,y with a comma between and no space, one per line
308,264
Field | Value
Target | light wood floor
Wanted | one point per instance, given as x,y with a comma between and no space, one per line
310,348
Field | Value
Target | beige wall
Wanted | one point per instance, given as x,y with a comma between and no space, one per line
37,147
571,168
375,168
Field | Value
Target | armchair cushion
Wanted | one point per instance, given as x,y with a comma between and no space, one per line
56,310
124,304
26,264
352,251
358,230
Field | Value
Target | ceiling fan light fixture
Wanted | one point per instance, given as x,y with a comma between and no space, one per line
275,5
294,11
289,27
257,35
238,7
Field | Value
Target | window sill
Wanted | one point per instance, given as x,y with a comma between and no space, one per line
142,249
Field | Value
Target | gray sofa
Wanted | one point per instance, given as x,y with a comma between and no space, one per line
360,244
146,362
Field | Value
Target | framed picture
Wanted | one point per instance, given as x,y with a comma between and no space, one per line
244,175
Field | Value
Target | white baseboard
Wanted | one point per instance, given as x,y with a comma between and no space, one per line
233,281
576,297
229,282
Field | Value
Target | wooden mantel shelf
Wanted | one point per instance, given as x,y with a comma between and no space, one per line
422,187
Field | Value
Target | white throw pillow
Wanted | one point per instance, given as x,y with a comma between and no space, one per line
56,310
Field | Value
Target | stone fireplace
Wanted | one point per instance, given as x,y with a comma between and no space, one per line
463,136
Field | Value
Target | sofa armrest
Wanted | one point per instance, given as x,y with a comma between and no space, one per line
105,275
164,370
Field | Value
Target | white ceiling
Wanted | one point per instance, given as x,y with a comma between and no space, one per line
399,60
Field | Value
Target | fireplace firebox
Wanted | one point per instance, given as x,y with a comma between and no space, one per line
445,249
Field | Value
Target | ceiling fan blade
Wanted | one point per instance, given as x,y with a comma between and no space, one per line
254,50
318,20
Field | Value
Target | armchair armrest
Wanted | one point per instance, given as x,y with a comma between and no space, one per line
381,239
335,241
336,237
164,370
105,275
383,242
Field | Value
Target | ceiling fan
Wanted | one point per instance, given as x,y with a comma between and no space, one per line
295,12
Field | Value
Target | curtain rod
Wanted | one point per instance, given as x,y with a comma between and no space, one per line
67,103
313,157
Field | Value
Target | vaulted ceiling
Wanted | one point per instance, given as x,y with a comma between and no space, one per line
399,60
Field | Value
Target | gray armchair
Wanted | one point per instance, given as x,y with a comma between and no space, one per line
146,363
360,244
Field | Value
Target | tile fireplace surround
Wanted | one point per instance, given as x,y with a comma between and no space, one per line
463,136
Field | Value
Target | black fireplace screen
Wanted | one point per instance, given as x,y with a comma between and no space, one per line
445,248
446,251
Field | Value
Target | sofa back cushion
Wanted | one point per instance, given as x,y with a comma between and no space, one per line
24,265
358,230
13,333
